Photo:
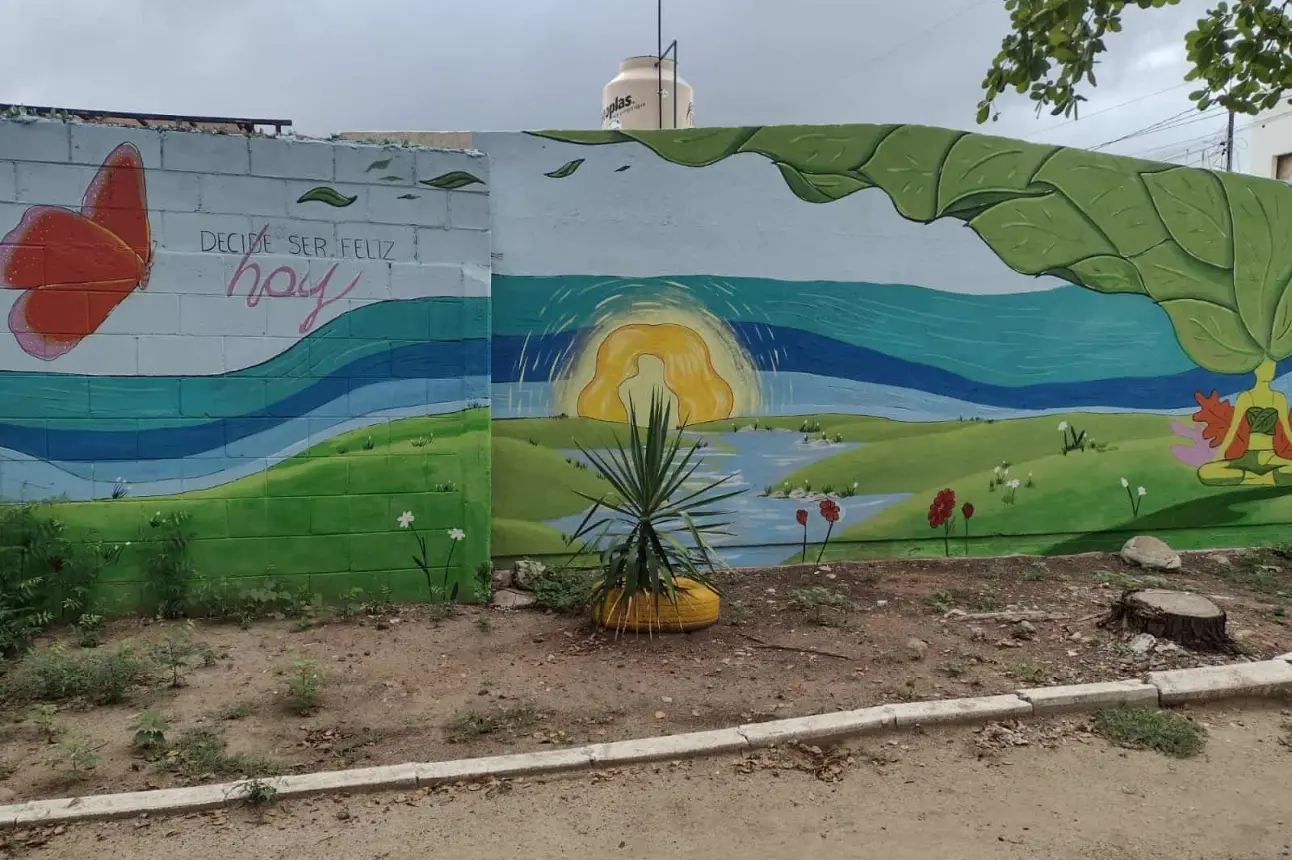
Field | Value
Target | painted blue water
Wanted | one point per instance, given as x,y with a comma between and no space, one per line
763,529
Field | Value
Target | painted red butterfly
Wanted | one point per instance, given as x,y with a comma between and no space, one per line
77,267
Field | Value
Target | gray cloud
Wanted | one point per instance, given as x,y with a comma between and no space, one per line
510,64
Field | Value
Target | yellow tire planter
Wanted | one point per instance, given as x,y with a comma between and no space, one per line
697,607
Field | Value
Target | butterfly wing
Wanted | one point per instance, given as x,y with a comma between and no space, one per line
118,201
74,273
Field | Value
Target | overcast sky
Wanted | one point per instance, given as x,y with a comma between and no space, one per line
340,65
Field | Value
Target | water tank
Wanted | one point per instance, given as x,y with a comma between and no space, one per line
633,98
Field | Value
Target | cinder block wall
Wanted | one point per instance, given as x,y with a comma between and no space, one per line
294,354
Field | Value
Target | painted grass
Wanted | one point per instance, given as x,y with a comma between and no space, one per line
536,484
853,428
560,433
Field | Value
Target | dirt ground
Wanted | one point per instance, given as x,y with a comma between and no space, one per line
404,688
1046,790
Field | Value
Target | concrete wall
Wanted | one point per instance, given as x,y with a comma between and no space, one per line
873,315
285,339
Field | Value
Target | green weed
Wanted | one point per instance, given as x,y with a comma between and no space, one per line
1149,728
51,675
303,689
472,725
200,754
816,600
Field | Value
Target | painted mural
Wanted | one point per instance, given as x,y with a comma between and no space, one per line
1113,365
285,367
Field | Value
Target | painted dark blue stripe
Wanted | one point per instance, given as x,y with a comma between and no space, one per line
798,351
423,360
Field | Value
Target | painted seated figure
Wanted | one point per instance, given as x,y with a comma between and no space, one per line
1257,444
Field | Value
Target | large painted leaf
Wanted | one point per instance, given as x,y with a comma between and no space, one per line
1193,207
1214,251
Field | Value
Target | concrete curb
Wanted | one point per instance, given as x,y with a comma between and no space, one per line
1205,684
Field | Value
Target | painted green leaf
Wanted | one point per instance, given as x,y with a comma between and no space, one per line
622,169
1039,235
380,164
588,138
1169,273
1262,220
409,196
391,178
455,179
1213,336
983,170
1106,275
694,147
324,194
565,169
839,149
820,188
1281,330
906,165
1193,206
1108,191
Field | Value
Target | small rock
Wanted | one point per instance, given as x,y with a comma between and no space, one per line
1222,560
343,815
659,715
881,602
526,571
1151,553
668,700
977,634
1024,630
916,649
1009,643
1143,643
500,579
506,598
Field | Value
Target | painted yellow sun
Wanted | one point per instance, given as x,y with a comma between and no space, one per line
688,355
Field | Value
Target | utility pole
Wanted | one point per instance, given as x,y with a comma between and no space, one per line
1229,144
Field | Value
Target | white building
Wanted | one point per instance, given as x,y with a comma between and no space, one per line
1270,134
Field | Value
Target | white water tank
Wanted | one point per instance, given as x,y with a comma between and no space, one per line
633,98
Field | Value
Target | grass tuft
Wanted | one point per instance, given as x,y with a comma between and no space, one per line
1150,729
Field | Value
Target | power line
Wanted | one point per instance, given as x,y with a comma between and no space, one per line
1179,146
922,33
1174,121
1114,107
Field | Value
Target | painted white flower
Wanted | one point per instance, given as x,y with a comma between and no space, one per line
1125,483
1013,485
1141,492
995,470
855,485
457,534
405,519
1063,426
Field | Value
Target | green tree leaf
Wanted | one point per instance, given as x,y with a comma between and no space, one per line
324,194
820,188
1193,206
565,169
1040,235
906,165
455,179
1262,219
1213,336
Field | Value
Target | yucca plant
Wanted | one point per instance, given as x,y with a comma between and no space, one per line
639,529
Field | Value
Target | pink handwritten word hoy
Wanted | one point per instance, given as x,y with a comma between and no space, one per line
285,282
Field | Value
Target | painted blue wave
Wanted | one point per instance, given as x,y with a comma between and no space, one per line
781,349
334,395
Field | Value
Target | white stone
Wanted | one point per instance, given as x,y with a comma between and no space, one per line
525,571
469,211
1142,643
668,746
1151,553
292,159
975,710
204,152
43,140
1236,680
916,649
437,245
1089,697
523,764
359,779
500,578
506,598
820,727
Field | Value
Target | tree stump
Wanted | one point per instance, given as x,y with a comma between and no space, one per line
1189,620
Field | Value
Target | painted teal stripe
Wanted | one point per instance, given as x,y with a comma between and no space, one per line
1067,334
132,402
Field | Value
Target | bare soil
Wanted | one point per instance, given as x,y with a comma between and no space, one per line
1044,790
401,687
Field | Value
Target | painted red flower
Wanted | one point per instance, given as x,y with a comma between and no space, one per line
967,510
801,516
943,508
830,511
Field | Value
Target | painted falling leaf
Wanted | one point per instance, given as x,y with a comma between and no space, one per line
622,169
381,164
565,169
409,196
453,180
1215,414
330,196
392,178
